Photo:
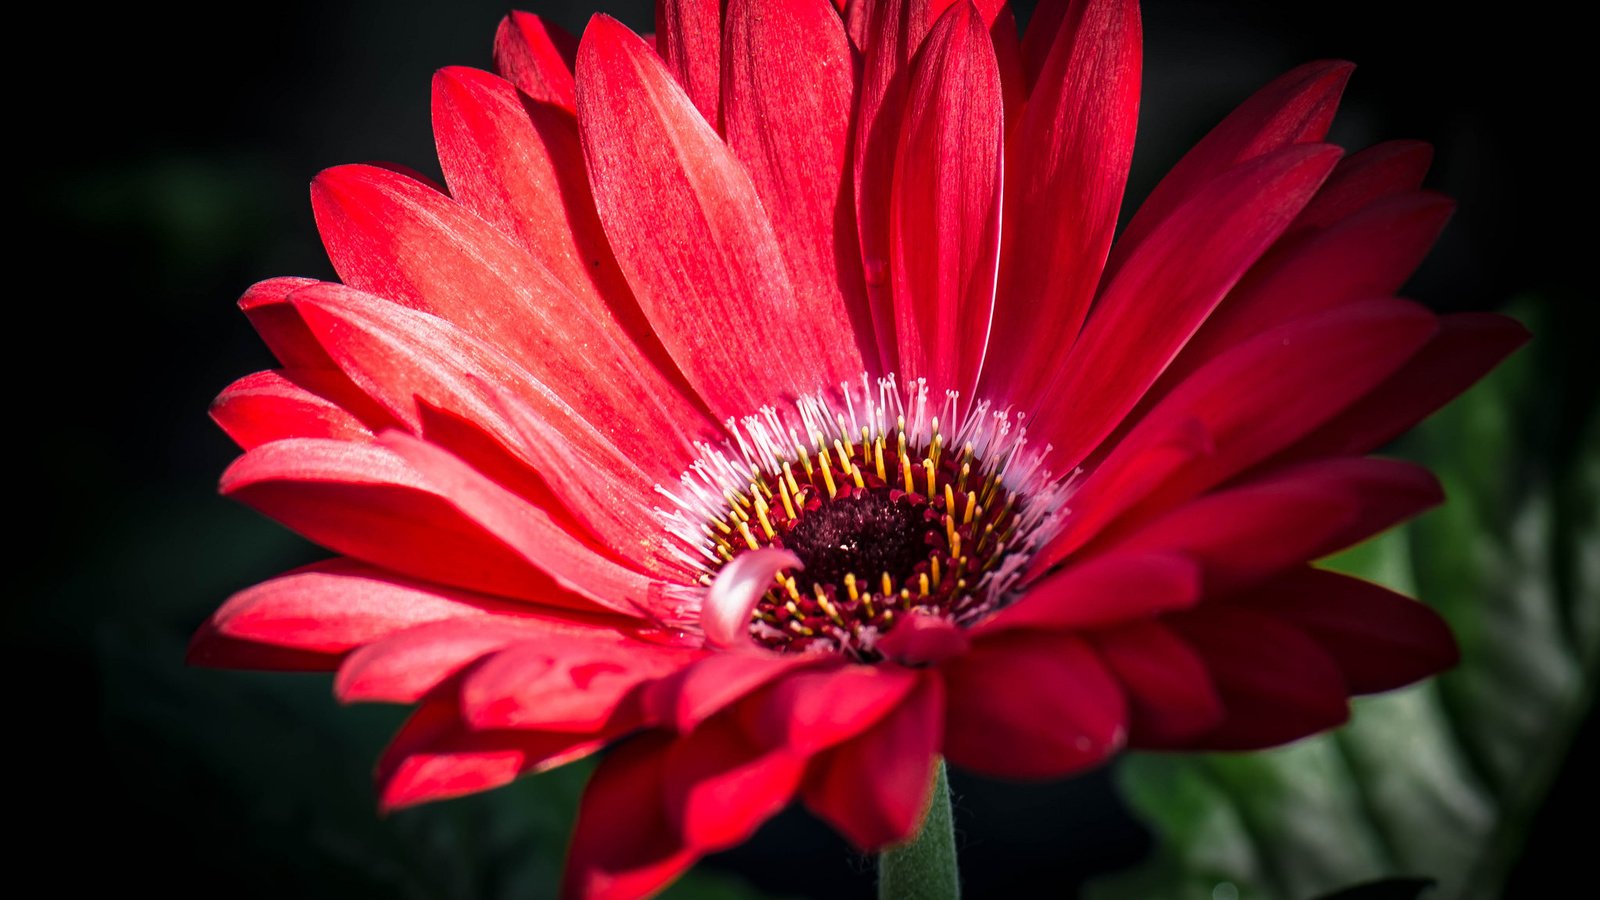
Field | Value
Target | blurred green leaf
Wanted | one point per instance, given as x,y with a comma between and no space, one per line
1439,780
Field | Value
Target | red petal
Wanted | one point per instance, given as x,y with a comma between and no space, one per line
1170,695
434,757
892,31
1365,177
1467,347
623,845
1002,22
412,362
1247,533
691,235
1380,640
795,145
945,220
266,305
209,648
270,406
520,166
530,532
362,500
1243,407
720,786
1031,706
1115,588
1044,28
1276,684
1167,289
855,21
1370,254
924,639
392,237
1066,171
406,665
812,710
689,39
340,604
875,789
536,55
1295,108
562,683
715,682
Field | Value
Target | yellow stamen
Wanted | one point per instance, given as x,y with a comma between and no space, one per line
766,524
749,539
971,510
888,585
934,566
783,494
933,487
827,475
922,584
850,587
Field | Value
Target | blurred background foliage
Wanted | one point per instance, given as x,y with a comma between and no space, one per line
166,158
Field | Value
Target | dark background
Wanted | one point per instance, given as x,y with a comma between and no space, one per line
162,159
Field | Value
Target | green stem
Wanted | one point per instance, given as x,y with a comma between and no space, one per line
925,868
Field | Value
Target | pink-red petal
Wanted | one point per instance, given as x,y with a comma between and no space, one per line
574,567
1365,177
809,711
434,757
1161,296
1275,682
520,166
1066,166
692,237
706,687
1248,532
624,845
536,55
796,144
944,223
1117,587
364,501
561,683
270,406
689,39
340,604
1243,407
1466,347
875,788
721,786
1297,107
1380,640
390,236
406,665
1170,695
1031,706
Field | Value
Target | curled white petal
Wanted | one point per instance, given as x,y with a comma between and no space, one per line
725,616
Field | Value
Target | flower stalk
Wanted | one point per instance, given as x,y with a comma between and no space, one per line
925,868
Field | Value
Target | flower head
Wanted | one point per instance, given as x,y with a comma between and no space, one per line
773,406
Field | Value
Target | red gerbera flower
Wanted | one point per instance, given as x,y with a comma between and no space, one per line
774,405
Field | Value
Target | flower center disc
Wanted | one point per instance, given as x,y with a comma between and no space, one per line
884,530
